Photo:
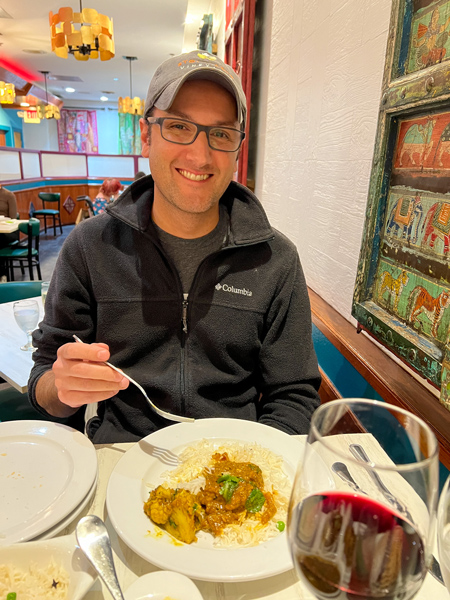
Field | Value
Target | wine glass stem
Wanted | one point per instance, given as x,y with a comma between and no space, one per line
30,338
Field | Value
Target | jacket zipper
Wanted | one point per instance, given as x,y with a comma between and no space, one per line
184,316
183,355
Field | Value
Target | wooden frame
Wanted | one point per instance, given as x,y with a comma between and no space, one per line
388,301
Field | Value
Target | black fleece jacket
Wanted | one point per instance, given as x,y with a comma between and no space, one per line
239,347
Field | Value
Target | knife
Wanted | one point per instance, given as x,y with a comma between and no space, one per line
360,454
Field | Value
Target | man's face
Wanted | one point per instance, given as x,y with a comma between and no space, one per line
192,178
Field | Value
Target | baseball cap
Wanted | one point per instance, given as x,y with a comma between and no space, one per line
173,72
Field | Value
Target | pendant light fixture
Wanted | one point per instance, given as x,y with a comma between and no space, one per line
50,110
130,105
92,39
7,93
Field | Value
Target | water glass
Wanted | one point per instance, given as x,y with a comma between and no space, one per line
44,290
26,314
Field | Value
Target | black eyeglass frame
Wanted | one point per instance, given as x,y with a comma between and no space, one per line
206,128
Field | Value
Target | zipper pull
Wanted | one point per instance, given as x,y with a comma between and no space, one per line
184,318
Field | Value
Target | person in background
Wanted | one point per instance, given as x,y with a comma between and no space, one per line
8,203
138,175
108,192
182,283
8,208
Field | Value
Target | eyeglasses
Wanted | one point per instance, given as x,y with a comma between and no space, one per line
179,131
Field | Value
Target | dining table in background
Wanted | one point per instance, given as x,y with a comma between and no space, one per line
10,225
15,364
130,566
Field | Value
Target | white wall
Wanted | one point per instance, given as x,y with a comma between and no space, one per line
108,131
41,136
323,90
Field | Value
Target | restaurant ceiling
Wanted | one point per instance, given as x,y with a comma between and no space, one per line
151,30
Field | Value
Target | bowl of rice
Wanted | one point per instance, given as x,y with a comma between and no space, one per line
53,569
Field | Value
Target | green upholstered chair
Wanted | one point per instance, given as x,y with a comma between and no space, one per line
20,253
55,200
15,406
10,291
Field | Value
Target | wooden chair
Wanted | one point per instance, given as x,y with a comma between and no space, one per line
20,253
49,212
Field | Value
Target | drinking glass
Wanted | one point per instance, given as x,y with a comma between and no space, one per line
44,290
443,532
362,510
26,313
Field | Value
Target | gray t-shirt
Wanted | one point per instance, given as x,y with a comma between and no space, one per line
187,254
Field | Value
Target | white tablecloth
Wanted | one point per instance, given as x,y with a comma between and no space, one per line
15,364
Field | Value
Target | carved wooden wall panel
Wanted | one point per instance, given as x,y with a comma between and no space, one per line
402,292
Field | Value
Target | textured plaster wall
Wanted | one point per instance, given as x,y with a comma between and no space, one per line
323,86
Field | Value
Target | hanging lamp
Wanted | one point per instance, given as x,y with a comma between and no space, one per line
50,110
130,105
92,39
7,93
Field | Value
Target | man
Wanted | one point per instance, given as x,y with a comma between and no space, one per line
182,283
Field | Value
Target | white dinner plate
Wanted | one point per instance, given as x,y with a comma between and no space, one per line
50,533
143,464
161,585
46,470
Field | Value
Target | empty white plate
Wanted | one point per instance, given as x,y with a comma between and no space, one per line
46,470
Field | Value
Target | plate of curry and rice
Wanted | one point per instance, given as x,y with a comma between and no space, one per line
209,499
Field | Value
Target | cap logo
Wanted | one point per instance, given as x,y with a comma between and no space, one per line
206,56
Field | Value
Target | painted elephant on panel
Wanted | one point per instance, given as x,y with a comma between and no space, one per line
431,231
410,229
443,146
417,140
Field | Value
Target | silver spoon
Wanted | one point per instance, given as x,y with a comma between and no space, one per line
159,411
93,539
341,469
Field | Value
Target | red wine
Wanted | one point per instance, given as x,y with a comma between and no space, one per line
350,547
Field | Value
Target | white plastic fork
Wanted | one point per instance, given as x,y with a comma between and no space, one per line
161,413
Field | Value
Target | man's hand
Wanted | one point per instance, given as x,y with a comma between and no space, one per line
81,377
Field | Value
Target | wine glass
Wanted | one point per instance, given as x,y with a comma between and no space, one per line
366,533
26,314
443,532
44,290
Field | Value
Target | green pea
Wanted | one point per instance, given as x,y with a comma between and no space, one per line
281,525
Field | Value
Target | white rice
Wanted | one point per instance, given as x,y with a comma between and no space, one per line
35,583
189,476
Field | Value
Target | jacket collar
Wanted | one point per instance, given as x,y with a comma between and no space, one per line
248,220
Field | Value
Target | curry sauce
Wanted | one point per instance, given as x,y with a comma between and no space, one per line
233,492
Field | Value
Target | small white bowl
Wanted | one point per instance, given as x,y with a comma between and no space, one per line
161,584
64,551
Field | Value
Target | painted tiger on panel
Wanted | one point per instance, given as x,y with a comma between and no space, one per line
392,285
421,301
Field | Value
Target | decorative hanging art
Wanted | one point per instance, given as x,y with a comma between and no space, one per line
85,34
77,132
